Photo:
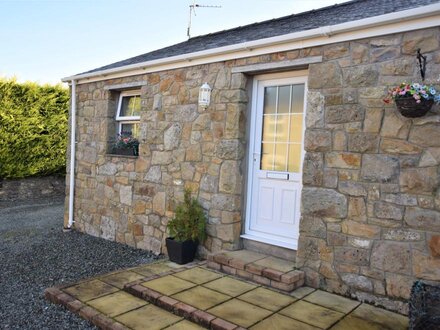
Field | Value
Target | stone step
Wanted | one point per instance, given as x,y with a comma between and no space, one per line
257,267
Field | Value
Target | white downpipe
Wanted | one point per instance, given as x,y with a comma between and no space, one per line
72,154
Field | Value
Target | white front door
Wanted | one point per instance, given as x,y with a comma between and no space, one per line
275,160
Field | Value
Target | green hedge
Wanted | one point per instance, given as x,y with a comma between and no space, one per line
33,129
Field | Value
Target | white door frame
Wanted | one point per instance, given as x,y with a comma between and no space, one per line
251,164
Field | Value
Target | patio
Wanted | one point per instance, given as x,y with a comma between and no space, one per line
165,295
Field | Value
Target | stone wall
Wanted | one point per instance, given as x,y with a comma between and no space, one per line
131,199
371,197
31,189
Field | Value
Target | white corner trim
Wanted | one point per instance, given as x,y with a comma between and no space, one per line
301,62
402,21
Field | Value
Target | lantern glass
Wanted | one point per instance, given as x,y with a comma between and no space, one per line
204,95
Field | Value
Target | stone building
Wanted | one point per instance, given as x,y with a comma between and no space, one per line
296,153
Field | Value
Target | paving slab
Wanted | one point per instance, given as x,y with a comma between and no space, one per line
312,314
116,303
198,275
302,292
230,286
184,325
152,269
281,322
240,312
89,290
353,323
380,316
120,279
168,285
276,263
148,317
332,301
266,298
201,298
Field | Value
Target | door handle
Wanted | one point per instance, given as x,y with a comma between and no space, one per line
256,156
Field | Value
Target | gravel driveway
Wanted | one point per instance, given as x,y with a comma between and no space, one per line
36,254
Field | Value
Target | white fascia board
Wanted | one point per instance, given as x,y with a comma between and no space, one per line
407,20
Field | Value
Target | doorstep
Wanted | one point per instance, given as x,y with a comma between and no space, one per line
263,269
168,296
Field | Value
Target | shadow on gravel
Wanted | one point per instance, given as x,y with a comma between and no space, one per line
35,254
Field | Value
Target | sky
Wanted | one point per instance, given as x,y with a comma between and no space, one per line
46,40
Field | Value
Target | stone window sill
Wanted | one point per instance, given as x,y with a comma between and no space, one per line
121,156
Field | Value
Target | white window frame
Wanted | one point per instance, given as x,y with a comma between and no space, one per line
126,119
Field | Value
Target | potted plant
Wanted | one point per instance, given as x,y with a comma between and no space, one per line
186,229
126,144
413,100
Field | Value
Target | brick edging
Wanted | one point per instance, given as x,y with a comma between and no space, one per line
267,276
179,308
100,320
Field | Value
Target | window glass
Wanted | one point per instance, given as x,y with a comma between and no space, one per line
132,128
130,106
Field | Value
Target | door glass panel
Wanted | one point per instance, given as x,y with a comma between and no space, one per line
270,100
283,99
297,98
282,128
294,157
267,152
269,122
280,163
296,122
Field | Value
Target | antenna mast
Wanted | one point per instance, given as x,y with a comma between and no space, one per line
192,9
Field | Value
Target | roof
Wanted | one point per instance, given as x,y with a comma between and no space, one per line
331,15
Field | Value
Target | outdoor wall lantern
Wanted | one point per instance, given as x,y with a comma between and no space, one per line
204,95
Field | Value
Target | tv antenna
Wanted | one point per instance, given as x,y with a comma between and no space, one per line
192,10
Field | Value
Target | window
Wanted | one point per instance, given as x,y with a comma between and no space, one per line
128,114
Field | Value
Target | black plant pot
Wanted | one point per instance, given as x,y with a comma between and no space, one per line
181,252
408,106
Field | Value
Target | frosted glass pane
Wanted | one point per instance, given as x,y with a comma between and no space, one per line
269,123
130,106
298,98
270,100
280,157
267,150
283,99
294,158
282,132
296,131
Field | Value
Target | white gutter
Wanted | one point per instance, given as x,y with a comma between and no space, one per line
72,154
326,31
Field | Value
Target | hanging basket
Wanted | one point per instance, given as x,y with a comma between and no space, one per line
408,106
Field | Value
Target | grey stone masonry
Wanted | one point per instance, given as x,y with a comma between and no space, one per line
370,215
370,222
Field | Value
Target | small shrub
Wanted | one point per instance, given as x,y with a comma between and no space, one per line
189,222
